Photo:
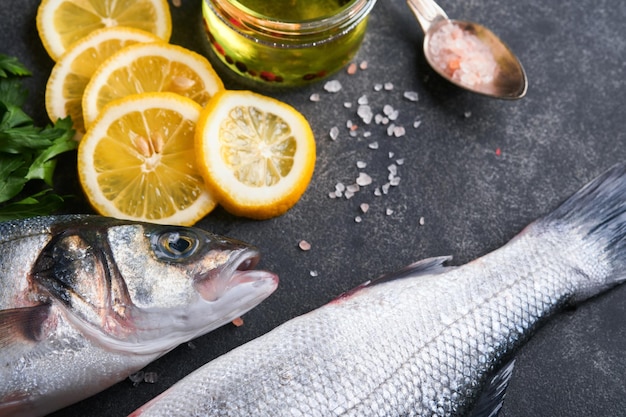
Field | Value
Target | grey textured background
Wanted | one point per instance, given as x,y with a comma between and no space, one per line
569,128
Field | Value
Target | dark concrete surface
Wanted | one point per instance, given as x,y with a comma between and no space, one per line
477,170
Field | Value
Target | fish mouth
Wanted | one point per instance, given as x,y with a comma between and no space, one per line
235,272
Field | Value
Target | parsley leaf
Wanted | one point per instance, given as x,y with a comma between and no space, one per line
27,152
11,66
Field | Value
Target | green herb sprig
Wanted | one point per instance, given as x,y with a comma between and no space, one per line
27,152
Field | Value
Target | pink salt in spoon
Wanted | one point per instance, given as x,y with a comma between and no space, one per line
468,54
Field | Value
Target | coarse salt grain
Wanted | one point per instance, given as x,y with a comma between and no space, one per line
389,212
365,113
388,86
304,245
399,131
361,164
334,133
364,207
378,87
373,145
411,95
363,179
314,97
351,70
422,221
313,273
332,86
358,219
363,65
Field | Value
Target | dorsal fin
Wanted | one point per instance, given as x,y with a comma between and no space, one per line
492,397
428,266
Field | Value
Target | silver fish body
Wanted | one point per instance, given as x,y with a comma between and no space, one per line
86,301
426,341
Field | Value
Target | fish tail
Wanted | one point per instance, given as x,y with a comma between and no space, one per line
597,213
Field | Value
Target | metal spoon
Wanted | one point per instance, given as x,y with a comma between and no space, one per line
509,81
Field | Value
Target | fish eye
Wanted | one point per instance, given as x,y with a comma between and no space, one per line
175,245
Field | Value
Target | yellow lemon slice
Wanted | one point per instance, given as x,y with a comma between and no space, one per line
60,23
257,153
150,67
72,72
138,161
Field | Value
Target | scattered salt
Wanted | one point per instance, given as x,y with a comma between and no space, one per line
314,97
363,100
304,245
358,219
400,161
391,154
351,69
421,221
364,207
373,145
353,188
389,212
361,164
417,123
388,86
390,129
332,86
347,105
363,179
340,187
363,65
378,87
377,192
365,113
467,114
411,95
334,132
313,273
367,134
399,131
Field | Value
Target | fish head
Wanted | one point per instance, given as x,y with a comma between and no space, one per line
146,288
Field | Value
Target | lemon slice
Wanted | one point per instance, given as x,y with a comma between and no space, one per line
150,67
137,162
60,23
257,153
72,72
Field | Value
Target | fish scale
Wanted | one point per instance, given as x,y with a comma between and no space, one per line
428,340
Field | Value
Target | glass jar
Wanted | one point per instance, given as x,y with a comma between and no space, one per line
276,42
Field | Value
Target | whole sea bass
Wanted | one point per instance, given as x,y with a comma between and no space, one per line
427,341
85,301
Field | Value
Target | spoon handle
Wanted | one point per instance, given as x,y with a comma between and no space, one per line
427,12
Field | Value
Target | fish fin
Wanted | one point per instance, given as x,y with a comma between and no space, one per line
425,266
492,397
598,213
428,266
22,324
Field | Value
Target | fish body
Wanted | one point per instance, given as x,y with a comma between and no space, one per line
86,301
429,340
